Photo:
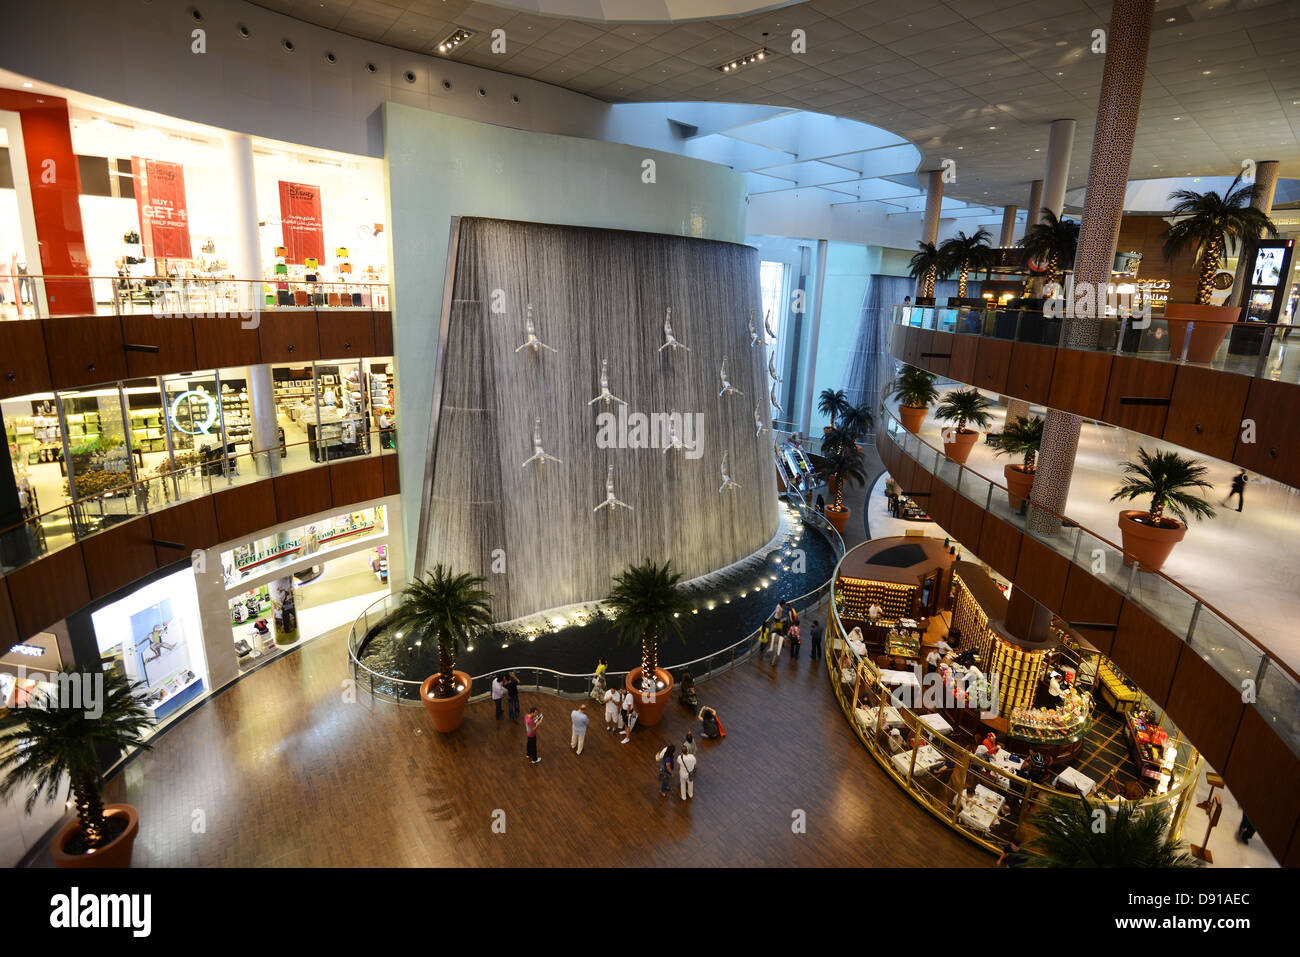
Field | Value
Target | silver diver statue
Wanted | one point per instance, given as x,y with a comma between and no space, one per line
669,339
537,345
727,387
539,453
605,395
758,421
611,501
727,483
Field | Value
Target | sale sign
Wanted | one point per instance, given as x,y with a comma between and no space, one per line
160,200
300,219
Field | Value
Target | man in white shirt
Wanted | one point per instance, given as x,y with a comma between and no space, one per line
498,692
874,611
686,771
580,721
944,647
932,661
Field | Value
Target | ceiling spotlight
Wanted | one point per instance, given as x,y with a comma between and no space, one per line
454,40
749,59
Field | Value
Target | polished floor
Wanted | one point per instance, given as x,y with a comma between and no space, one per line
283,769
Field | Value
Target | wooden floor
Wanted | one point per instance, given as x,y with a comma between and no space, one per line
280,770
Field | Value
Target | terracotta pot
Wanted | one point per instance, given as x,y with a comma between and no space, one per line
1019,483
912,416
958,450
1145,544
116,853
649,713
446,713
838,517
1210,325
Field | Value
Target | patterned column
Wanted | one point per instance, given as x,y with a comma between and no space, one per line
933,205
1127,43
1008,236
1060,144
1266,179
1016,409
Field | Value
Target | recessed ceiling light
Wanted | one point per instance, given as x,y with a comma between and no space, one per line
27,86
993,127
1206,72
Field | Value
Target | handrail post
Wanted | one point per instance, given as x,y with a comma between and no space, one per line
1191,625
1123,331
1187,341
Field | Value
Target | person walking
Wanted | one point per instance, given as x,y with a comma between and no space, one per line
689,746
580,722
598,682
612,719
815,640
629,716
686,771
512,694
1238,489
533,719
796,640
667,765
498,692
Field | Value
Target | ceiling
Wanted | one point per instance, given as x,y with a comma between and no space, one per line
975,81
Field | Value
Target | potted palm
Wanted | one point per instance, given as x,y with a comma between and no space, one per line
1022,437
842,464
1204,222
856,421
646,605
962,407
1068,836
925,267
437,613
1053,242
914,389
1169,479
961,254
59,736
833,403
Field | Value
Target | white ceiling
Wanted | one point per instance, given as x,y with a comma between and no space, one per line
976,81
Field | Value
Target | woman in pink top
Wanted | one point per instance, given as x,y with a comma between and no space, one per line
531,721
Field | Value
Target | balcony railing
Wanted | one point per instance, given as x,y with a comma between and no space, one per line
68,524
1254,349
184,297
1264,680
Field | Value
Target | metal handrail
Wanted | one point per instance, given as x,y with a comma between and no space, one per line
355,664
1263,650
198,279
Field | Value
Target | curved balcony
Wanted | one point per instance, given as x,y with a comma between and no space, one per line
1234,699
1129,378
58,561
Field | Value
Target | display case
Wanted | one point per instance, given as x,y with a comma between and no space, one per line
1147,743
855,596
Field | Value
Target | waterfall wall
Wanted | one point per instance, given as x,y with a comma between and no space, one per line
596,294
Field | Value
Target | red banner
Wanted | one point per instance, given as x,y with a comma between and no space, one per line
300,221
160,199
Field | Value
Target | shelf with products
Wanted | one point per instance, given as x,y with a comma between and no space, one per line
855,596
1147,742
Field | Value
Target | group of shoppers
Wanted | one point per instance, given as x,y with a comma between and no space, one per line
783,625
680,763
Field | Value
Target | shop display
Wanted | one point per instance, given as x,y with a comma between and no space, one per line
1147,742
855,596
1116,690
1071,718
904,644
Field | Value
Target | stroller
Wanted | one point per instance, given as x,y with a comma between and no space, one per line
687,696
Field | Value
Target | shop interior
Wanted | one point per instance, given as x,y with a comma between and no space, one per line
112,141
339,566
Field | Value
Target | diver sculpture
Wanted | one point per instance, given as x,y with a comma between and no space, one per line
539,453
670,341
537,345
727,482
727,387
605,395
611,501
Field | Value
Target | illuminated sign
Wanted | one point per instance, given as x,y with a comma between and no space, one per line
32,651
209,403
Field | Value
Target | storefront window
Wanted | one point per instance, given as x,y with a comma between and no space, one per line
35,440
194,419
154,636
99,457
277,551
340,429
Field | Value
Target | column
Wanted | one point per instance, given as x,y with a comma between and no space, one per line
246,257
1016,409
805,420
933,207
284,605
266,433
1266,179
1008,236
1128,41
1060,144
1035,208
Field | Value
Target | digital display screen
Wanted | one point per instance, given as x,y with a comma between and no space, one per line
1268,267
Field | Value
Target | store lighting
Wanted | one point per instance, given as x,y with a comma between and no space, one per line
749,59
453,41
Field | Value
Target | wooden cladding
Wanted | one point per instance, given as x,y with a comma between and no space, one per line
35,596
46,354
1260,768
1228,416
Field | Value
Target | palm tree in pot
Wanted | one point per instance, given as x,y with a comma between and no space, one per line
856,422
1204,222
1068,835
925,266
961,254
843,463
915,392
1173,482
438,613
1052,241
962,407
59,735
833,403
1023,437
646,605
